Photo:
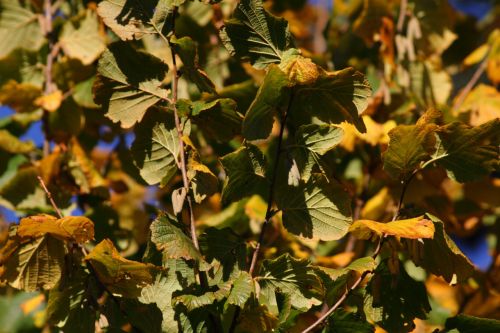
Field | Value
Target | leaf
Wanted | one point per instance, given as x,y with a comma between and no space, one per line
470,324
129,82
451,263
82,42
219,118
132,19
369,22
299,70
121,276
415,228
241,291
203,182
33,265
292,278
270,98
19,96
256,318
50,102
156,148
71,228
394,301
468,153
342,321
13,145
245,173
169,238
178,198
312,141
83,170
193,302
254,35
226,247
410,145
318,209
493,66
19,28
185,47
334,98
22,185
482,104
361,265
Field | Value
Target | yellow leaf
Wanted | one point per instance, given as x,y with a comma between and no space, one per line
19,96
414,228
483,103
32,304
50,102
121,276
300,70
477,55
72,228
376,206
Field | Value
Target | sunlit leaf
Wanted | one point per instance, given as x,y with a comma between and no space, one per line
72,228
19,27
129,83
83,169
414,228
242,289
12,144
19,96
255,35
319,209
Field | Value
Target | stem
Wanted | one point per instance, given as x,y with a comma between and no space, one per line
468,87
402,15
365,273
269,211
180,134
51,199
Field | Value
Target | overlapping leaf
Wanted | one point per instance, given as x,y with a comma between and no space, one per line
129,83
319,209
71,228
12,144
415,228
255,35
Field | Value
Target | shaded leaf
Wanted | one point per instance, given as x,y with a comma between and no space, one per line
193,302
169,237
185,47
470,324
271,97
83,170
255,35
394,301
19,27
129,82
83,42
156,148
361,265
245,173
318,209
414,228
19,96
121,276
292,278
342,321
203,182
451,263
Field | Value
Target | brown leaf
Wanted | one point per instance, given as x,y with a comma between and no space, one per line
71,228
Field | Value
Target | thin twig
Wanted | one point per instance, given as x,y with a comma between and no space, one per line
365,273
180,134
402,15
269,211
475,77
49,195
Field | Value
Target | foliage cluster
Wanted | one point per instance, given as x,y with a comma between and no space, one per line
253,184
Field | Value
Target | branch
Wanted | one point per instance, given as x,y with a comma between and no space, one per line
49,195
269,211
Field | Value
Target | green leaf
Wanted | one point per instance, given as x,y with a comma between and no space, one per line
256,318
226,247
132,19
468,153
13,145
333,98
451,263
203,182
470,324
311,142
185,47
21,186
410,145
394,301
129,82
292,278
271,97
245,173
156,148
319,209
19,28
361,265
83,42
193,302
241,291
342,321
255,35
34,265
219,119
168,236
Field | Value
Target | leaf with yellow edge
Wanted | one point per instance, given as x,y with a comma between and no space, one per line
83,169
300,70
482,103
19,96
50,102
120,276
71,228
203,181
415,228
13,145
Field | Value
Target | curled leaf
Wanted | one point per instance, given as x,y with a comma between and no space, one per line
414,228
